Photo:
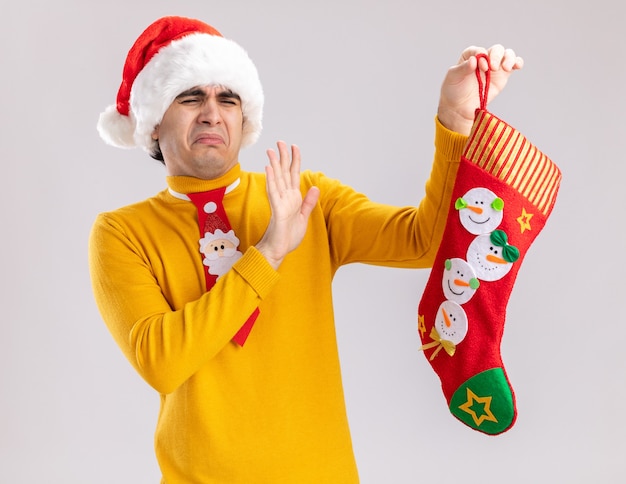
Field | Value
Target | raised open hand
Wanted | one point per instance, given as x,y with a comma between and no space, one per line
290,212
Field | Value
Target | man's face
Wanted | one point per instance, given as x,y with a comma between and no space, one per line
200,134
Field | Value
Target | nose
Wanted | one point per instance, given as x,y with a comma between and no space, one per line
475,209
495,259
209,112
446,319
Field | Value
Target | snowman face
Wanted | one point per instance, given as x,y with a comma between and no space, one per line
486,259
459,281
480,211
451,322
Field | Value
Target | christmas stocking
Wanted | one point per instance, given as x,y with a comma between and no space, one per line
503,194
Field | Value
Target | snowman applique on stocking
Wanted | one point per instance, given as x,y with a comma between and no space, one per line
503,194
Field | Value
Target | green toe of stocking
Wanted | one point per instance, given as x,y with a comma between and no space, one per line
485,402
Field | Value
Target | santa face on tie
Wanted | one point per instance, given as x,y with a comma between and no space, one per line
220,251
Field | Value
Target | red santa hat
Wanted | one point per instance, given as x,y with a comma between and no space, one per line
213,221
171,56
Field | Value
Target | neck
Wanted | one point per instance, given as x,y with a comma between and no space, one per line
182,196
189,184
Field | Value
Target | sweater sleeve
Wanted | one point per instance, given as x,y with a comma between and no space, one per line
165,345
364,231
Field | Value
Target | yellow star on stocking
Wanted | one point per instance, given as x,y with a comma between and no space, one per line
472,404
421,324
524,220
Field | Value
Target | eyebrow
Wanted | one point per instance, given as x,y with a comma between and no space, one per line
227,93
196,91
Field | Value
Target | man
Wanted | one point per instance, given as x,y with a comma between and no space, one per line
246,361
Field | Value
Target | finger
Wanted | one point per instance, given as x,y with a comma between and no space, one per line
295,166
456,74
483,64
496,54
285,159
270,182
508,60
280,166
275,183
471,51
273,159
511,61
308,204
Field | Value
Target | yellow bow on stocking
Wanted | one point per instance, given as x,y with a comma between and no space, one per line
449,346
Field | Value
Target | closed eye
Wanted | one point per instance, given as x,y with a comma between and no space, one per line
189,100
229,97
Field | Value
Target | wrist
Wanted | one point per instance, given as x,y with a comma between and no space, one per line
454,121
269,255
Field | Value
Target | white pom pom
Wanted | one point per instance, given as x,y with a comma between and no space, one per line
210,207
116,129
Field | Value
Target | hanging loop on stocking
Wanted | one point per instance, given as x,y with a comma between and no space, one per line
483,89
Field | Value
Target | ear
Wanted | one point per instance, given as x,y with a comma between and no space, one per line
155,133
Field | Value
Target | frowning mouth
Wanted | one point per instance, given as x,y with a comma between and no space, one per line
209,139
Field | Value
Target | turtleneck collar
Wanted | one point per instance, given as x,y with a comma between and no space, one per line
181,185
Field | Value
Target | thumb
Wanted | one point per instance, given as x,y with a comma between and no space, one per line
459,72
309,201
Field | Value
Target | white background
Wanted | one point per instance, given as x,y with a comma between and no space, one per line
355,84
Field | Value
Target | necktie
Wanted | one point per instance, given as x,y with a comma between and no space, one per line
218,245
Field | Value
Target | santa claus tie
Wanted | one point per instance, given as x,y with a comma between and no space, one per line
219,245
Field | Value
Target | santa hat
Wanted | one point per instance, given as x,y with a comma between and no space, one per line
171,56
213,221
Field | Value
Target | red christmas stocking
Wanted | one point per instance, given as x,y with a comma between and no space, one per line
504,192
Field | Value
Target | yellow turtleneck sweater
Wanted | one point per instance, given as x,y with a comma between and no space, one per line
273,410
